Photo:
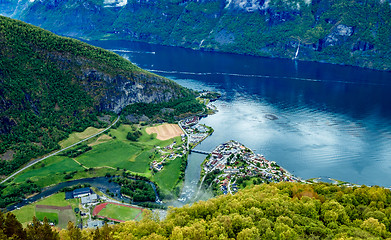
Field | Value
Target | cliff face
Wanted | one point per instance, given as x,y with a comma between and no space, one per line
354,32
51,86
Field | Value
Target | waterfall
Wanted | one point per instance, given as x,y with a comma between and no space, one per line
297,51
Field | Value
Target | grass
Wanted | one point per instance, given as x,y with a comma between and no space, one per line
53,169
25,214
77,136
119,212
121,132
113,154
57,200
107,154
168,176
51,216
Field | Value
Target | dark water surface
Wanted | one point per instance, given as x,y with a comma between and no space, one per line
332,120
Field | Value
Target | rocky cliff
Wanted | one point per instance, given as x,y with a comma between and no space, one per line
354,32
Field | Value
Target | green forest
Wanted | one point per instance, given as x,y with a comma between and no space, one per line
169,111
267,211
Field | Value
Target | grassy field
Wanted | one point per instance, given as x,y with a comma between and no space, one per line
53,168
168,176
77,136
58,200
119,212
51,216
26,213
114,154
109,153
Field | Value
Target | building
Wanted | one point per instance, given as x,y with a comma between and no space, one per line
95,224
89,199
81,192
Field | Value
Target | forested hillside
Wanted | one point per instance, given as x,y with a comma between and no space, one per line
356,32
51,86
268,211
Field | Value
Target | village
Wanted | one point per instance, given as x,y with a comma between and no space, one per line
232,164
194,133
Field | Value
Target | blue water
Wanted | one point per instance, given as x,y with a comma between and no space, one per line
333,121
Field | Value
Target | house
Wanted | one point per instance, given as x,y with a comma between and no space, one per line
191,121
231,170
95,224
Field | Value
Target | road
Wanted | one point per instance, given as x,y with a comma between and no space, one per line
187,135
55,153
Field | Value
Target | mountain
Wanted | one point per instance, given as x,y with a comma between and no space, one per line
267,211
356,32
51,86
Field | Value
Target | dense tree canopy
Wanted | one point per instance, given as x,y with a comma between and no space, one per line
267,211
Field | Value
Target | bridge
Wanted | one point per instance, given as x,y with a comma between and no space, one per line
199,151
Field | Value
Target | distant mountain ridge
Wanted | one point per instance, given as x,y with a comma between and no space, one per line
51,86
354,32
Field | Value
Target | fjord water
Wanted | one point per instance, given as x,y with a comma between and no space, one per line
332,121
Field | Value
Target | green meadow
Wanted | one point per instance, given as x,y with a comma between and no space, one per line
111,153
49,171
168,176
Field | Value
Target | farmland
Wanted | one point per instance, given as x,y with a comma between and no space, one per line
110,153
54,207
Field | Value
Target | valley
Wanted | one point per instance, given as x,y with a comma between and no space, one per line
246,133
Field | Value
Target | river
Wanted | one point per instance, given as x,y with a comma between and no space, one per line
332,121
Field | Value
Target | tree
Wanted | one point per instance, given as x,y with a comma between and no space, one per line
39,231
13,228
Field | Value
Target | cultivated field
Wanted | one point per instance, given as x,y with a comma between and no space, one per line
77,136
53,207
165,131
110,154
58,215
117,212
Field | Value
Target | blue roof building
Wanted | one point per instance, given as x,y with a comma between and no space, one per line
81,192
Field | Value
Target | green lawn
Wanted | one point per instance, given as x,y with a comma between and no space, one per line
25,214
51,216
57,200
113,154
119,212
52,171
168,176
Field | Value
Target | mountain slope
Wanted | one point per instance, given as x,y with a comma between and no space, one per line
354,32
51,86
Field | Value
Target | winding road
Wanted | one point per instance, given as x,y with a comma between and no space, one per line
59,151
